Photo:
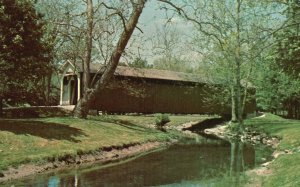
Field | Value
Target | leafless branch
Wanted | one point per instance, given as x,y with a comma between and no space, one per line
182,12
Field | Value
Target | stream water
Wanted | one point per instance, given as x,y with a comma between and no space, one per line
203,161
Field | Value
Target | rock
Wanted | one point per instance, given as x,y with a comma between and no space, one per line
255,139
70,161
55,165
288,151
266,164
264,135
1,174
277,154
243,138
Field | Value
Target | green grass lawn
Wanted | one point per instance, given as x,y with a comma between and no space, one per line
39,140
150,119
286,168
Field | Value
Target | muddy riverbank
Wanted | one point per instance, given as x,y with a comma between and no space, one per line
104,156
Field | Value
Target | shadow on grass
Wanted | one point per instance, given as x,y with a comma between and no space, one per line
206,124
124,123
50,131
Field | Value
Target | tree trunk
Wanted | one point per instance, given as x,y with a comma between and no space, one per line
89,45
244,99
232,157
297,110
82,108
233,105
246,89
1,107
48,89
238,69
239,164
87,60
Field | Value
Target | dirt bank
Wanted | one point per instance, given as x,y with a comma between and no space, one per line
104,155
249,135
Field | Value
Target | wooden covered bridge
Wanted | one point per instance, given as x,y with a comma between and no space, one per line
135,90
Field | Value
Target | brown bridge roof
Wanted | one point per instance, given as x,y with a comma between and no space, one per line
147,73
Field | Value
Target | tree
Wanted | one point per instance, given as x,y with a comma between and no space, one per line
289,57
276,90
83,106
68,22
88,47
167,49
288,45
101,26
238,31
24,52
140,63
276,76
284,67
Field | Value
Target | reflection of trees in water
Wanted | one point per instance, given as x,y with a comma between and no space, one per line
237,164
198,162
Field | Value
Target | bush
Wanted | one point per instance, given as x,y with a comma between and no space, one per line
233,127
161,119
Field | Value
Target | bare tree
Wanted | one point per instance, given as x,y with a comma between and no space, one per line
167,48
83,106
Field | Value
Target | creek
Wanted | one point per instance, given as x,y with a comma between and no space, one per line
200,161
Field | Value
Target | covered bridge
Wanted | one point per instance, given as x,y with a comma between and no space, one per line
135,90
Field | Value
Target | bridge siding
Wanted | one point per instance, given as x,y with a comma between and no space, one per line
136,95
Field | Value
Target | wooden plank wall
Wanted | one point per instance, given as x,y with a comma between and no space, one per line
136,95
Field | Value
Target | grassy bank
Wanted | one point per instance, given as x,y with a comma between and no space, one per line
285,168
47,139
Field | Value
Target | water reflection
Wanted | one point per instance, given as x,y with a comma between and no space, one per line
76,180
237,164
53,181
198,162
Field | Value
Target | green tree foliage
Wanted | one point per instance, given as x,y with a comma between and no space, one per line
173,64
288,47
287,59
289,52
278,84
232,36
275,89
24,53
140,63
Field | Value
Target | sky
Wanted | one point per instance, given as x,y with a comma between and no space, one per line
154,18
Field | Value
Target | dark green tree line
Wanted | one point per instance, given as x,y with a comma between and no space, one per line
24,52
277,77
